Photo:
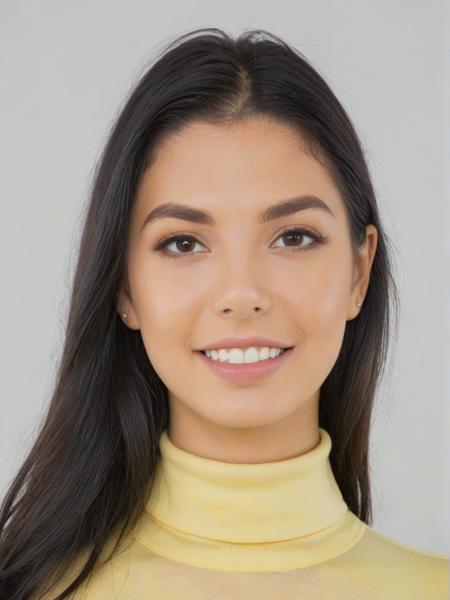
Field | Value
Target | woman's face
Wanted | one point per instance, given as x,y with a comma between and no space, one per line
240,276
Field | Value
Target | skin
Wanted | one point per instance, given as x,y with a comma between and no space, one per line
305,297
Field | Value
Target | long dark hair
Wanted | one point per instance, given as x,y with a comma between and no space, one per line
90,471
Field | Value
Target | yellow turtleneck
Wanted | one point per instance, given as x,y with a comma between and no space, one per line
248,517
214,531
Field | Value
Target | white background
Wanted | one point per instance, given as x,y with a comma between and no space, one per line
66,69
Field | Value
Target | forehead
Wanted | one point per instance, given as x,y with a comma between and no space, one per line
243,166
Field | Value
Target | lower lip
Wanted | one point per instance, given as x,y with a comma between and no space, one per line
246,372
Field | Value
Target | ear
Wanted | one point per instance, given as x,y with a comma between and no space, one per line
362,270
125,306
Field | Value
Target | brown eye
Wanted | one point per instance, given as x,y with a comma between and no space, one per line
294,235
183,244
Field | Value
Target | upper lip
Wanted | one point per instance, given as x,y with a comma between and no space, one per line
232,342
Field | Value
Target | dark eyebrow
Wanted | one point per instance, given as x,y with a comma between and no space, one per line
195,215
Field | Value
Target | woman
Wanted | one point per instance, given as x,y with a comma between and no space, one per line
208,434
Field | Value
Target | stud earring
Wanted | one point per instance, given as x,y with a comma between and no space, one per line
358,303
124,315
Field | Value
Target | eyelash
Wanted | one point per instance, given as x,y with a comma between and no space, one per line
162,244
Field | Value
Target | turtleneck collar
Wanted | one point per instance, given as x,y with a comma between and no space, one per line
266,516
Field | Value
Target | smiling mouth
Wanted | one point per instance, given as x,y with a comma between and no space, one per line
245,363
246,373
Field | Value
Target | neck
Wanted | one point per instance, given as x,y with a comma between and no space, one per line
285,439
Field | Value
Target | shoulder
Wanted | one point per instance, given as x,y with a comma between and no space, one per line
121,576
112,578
401,550
401,568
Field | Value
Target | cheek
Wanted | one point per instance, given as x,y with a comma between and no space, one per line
167,312
321,296
320,306
323,320
157,297
164,319
164,323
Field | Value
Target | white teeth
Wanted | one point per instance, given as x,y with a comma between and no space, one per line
246,355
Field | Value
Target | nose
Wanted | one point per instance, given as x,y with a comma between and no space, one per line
242,298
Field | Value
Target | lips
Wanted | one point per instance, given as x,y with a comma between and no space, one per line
233,342
204,351
246,372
